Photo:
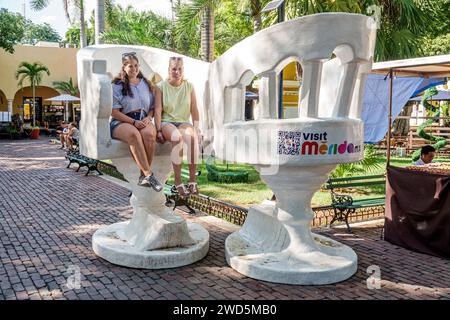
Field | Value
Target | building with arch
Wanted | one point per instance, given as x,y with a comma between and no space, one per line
62,64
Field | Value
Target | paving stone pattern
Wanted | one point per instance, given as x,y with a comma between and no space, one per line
48,214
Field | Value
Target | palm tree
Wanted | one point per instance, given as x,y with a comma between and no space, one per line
99,20
126,26
33,72
66,87
198,12
403,24
41,4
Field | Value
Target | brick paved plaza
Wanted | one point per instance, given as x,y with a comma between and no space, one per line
48,214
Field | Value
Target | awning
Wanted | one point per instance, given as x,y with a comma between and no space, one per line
425,67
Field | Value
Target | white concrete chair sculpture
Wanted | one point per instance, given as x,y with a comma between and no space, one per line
155,237
294,156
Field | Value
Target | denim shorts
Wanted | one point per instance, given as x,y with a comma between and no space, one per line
115,123
176,124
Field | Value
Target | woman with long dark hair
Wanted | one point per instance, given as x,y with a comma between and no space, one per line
134,103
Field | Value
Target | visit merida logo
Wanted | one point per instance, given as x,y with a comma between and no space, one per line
312,143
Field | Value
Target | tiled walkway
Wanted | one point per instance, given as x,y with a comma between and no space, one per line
48,214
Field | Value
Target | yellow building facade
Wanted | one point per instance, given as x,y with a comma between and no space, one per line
62,64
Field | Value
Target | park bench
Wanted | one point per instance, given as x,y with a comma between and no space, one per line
343,204
82,161
172,196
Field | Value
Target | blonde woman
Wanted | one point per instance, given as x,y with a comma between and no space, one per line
173,124
134,102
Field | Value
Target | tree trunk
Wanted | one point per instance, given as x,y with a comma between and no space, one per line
34,102
83,41
99,20
256,15
207,35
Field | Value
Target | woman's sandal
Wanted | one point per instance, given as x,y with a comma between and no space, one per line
193,189
182,191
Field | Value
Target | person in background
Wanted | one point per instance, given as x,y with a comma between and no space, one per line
178,105
133,107
73,136
62,131
427,154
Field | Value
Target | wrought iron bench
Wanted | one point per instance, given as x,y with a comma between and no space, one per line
82,161
172,196
343,204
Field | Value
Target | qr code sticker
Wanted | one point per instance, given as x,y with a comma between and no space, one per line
289,142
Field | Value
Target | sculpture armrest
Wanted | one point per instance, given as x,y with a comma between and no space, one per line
96,105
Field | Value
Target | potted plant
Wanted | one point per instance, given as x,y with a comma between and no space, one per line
13,132
35,131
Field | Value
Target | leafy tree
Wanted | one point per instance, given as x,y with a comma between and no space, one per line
39,32
66,87
11,29
253,7
33,72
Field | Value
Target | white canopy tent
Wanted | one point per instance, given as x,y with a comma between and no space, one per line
65,98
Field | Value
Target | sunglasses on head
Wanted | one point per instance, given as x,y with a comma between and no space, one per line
128,54
176,58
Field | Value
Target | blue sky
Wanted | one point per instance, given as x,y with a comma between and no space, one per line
54,13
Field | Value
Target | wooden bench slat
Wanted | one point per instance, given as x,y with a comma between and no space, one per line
378,176
363,203
172,195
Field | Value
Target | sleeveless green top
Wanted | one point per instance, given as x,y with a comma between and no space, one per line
176,101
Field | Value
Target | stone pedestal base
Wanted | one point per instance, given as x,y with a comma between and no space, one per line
107,243
262,250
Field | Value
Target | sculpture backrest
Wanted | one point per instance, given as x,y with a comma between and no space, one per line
97,65
335,51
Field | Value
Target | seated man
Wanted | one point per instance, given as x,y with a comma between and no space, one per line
427,154
62,131
72,136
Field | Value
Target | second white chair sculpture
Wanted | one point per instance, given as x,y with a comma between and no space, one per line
294,156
